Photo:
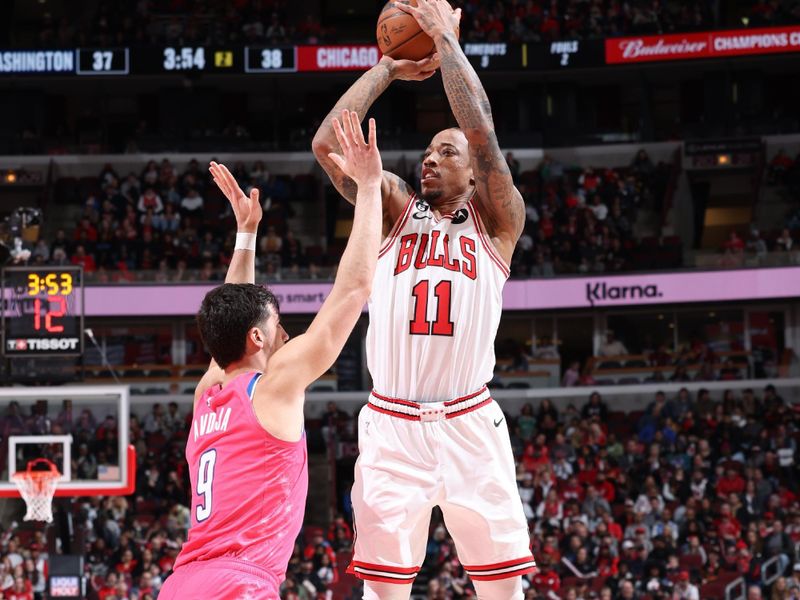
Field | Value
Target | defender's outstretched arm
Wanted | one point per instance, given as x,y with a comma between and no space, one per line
248,213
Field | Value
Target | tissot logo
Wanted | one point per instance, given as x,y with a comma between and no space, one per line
602,292
41,344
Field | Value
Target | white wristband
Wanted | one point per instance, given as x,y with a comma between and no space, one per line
245,241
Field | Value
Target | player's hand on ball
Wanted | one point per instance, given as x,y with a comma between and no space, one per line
360,159
247,210
435,17
410,70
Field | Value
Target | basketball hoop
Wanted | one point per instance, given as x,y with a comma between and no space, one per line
37,489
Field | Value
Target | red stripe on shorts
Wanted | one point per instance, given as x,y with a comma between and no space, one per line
506,575
393,413
501,565
465,398
466,410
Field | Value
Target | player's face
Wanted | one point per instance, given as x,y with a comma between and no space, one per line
446,171
275,334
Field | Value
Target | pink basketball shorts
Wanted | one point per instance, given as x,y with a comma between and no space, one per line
220,579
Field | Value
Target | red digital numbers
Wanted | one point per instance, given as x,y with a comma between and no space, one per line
52,313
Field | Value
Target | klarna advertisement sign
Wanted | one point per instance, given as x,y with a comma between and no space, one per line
534,294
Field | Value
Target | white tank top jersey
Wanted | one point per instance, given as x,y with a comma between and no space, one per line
435,306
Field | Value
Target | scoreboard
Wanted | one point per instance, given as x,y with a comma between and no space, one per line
166,60
556,55
42,311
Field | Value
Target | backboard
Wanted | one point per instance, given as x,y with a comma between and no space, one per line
82,429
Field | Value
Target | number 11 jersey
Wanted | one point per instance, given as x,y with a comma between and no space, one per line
435,306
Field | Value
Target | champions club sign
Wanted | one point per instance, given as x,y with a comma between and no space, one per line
708,44
613,291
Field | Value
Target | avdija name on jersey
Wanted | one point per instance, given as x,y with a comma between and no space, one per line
209,422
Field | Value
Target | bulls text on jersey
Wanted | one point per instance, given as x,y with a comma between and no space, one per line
423,250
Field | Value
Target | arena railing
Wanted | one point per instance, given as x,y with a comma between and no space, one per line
620,398
695,261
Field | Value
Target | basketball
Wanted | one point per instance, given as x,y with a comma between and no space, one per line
400,36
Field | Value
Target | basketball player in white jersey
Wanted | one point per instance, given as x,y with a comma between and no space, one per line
431,434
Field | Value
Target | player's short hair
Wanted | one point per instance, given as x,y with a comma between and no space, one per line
227,313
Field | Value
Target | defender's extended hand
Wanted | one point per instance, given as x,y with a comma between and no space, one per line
247,211
435,17
360,159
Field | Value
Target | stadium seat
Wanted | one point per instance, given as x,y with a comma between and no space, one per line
609,364
569,582
691,562
193,373
163,373
716,589
596,584
636,363
310,532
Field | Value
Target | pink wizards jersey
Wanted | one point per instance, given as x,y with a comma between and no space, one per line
248,487
435,306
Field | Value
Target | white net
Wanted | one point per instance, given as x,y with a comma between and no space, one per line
37,489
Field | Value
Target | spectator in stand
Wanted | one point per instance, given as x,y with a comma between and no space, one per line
572,374
612,346
82,259
150,200
154,421
595,407
779,166
21,590
756,246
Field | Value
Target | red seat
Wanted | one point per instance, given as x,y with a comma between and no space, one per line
596,584
569,582
691,562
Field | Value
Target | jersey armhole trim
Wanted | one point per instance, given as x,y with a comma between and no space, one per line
398,226
487,243
271,438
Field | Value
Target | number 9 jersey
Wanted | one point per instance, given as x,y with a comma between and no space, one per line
248,500
435,307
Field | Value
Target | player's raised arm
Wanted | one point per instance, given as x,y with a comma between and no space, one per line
502,206
242,269
358,99
305,358
248,212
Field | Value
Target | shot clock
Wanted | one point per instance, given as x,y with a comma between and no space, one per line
42,311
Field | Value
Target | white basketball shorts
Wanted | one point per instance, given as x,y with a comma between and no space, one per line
454,454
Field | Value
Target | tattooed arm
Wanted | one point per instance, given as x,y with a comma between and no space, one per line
358,99
501,204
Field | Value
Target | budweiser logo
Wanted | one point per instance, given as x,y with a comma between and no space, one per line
636,48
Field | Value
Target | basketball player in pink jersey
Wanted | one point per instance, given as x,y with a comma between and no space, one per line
246,448
431,434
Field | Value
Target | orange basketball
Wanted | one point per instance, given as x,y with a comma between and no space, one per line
399,34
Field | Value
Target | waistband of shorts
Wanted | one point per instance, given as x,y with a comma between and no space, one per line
237,564
429,411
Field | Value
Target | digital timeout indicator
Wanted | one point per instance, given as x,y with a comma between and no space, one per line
42,311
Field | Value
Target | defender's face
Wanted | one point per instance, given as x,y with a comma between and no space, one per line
272,335
446,170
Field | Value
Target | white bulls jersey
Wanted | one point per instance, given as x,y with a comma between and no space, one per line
435,306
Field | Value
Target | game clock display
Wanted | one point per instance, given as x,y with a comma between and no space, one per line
42,311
